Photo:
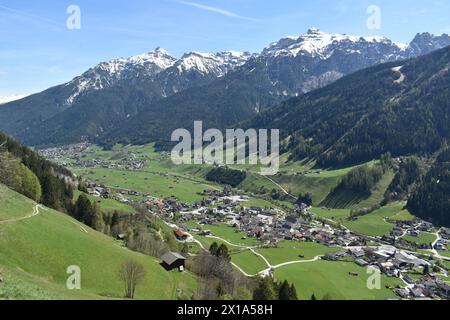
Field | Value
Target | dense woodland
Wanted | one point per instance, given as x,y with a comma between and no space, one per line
226,176
26,172
369,113
431,199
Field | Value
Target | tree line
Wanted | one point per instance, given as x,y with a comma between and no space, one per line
26,172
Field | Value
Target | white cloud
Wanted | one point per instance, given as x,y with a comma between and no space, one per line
216,10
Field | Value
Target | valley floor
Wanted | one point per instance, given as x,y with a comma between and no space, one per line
303,263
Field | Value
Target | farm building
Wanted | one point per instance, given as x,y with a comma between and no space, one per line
181,235
173,260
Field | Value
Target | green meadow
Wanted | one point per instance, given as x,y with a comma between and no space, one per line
377,223
108,205
40,249
249,262
155,184
287,251
333,278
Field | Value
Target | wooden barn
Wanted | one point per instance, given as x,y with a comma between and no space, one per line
173,260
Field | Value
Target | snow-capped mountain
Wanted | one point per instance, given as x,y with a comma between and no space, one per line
217,64
6,99
226,87
424,43
181,73
318,44
108,74
197,68
314,59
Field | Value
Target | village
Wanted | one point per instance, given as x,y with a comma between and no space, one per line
391,255
75,155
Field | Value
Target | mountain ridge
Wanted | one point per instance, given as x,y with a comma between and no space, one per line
236,86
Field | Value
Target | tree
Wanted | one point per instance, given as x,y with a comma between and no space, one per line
287,292
213,248
305,198
313,297
222,252
386,161
131,273
426,270
265,290
87,212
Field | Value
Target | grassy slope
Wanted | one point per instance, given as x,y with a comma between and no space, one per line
39,250
249,262
291,250
155,184
323,277
108,205
12,204
342,199
423,238
375,223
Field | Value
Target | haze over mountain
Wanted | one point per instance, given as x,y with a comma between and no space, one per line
145,97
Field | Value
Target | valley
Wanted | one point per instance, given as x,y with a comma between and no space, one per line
93,205
302,242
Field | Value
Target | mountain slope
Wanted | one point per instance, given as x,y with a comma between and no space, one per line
288,68
220,88
431,200
34,257
109,93
399,107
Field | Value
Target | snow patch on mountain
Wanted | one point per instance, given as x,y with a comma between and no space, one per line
316,43
107,74
218,64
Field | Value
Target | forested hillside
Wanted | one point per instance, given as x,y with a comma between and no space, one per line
26,172
402,108
431,200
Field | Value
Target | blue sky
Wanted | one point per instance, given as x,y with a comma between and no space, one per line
37,51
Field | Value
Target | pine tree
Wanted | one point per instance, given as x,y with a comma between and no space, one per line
265,290
213,248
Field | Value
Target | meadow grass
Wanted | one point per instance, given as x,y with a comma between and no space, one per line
14,205
155,184
423,238
287,251
46,245
376,223
249,262
108,205
327,277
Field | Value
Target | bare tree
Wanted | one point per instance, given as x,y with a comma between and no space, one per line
131,273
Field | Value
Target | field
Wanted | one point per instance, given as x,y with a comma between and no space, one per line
39,249
423,238
376,223
325,277
292,250
229,234
155,184
249,262
108,205
333,214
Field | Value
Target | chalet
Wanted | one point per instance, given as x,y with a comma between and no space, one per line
173,260
180,235
445,233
